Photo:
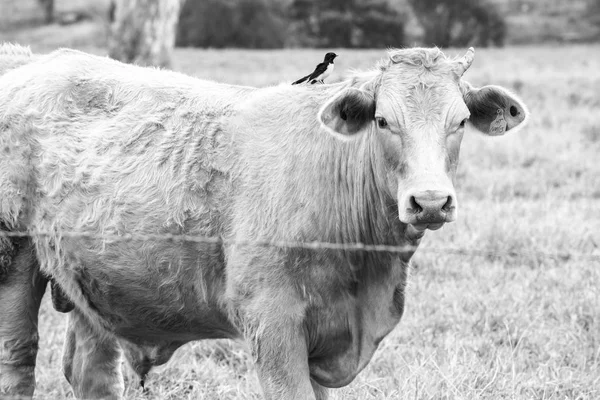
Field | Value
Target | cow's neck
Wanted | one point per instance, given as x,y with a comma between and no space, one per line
354,190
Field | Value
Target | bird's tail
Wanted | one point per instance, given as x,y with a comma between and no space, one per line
301,80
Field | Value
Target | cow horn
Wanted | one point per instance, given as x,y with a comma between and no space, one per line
464,63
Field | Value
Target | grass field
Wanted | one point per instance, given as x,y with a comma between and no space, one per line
512,324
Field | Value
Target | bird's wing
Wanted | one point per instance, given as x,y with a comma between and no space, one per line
318,71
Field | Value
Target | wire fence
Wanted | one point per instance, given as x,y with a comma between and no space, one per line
316,245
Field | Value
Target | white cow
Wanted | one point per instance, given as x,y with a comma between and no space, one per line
92,145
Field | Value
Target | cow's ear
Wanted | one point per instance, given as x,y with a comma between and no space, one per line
494,110
348,113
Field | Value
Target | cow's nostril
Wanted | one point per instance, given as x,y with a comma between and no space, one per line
446,207
432,207
414,206
514,111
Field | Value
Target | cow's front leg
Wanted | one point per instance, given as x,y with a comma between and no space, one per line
92,362
21,290
265,304
271,320
282,361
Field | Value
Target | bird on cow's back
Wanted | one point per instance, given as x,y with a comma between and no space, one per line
322,71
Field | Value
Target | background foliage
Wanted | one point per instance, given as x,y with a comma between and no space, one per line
460,22
232,23
368,23
334,23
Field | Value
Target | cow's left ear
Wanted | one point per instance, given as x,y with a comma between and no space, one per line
348,113
494,110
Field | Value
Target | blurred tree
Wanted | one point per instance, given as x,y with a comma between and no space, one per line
235,23
593,13
348,23
143,31
380,26
112,8
459,22
48,7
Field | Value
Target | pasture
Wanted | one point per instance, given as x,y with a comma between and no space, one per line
517,316
501,304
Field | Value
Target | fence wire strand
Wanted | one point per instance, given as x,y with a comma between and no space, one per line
316,245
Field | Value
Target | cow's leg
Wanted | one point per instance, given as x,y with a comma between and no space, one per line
272,322
282,363
22,287
264,303
92,362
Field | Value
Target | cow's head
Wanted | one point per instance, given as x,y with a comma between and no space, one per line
417,105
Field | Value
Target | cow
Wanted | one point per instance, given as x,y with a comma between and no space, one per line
169,209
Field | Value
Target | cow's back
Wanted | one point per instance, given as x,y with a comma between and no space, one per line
89,126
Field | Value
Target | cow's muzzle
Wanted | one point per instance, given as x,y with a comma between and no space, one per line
428,209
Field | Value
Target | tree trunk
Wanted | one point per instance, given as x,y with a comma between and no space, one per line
48,7
143,31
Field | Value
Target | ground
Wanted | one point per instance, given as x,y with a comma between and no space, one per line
504,303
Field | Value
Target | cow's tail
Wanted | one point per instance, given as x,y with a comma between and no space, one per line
13,56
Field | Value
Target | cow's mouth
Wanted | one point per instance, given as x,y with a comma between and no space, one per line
428,225
416,231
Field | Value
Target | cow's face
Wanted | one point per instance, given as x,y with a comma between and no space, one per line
417,106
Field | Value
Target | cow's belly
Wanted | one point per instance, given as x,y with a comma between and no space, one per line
150,292
345,335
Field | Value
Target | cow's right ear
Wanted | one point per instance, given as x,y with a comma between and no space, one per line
348,113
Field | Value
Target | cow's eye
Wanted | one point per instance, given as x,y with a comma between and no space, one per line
463,122
381,122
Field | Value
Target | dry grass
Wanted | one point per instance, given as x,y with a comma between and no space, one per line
515,325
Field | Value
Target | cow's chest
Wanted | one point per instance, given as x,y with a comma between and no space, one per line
344,332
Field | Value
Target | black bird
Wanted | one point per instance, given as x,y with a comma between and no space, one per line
322,71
